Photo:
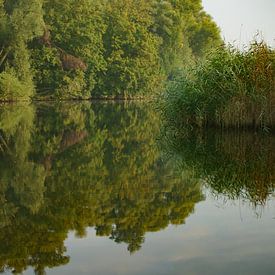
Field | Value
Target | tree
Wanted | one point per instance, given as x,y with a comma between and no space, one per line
74,29
21,22
131,50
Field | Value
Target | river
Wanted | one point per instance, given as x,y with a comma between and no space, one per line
100,188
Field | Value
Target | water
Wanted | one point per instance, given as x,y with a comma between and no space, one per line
95,188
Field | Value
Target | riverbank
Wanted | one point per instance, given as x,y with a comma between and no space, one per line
229,89
103,98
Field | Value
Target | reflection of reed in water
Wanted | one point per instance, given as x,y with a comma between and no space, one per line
237,165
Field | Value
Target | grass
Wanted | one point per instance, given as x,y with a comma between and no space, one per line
230,88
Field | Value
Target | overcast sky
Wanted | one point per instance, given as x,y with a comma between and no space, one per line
239,20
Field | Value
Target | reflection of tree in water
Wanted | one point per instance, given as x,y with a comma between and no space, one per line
236,165
21,179
74,166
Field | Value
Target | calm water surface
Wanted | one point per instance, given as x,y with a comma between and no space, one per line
94,188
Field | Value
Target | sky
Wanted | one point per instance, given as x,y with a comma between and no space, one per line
240,20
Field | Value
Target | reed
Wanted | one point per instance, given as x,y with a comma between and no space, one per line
230,88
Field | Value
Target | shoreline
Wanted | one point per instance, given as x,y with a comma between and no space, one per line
111,98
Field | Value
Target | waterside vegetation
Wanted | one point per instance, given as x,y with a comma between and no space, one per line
229,88
78,49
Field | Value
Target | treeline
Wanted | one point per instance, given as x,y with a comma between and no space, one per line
85,48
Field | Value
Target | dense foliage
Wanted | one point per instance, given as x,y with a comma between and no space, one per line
229,89
20,23
84,48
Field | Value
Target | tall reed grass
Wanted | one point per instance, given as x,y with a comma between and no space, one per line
229,88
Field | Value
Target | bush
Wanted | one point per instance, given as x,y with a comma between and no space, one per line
11,88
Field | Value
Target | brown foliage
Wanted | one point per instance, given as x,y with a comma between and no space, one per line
70,62
71,138
46,38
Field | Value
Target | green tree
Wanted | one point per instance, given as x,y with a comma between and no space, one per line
67,62
21,22
205,35
169,26
131,50
78,49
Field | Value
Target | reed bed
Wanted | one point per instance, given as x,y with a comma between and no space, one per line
230,88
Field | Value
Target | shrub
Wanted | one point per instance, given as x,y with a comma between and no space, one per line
11,88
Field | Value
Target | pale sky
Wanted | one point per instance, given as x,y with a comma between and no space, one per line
240,20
